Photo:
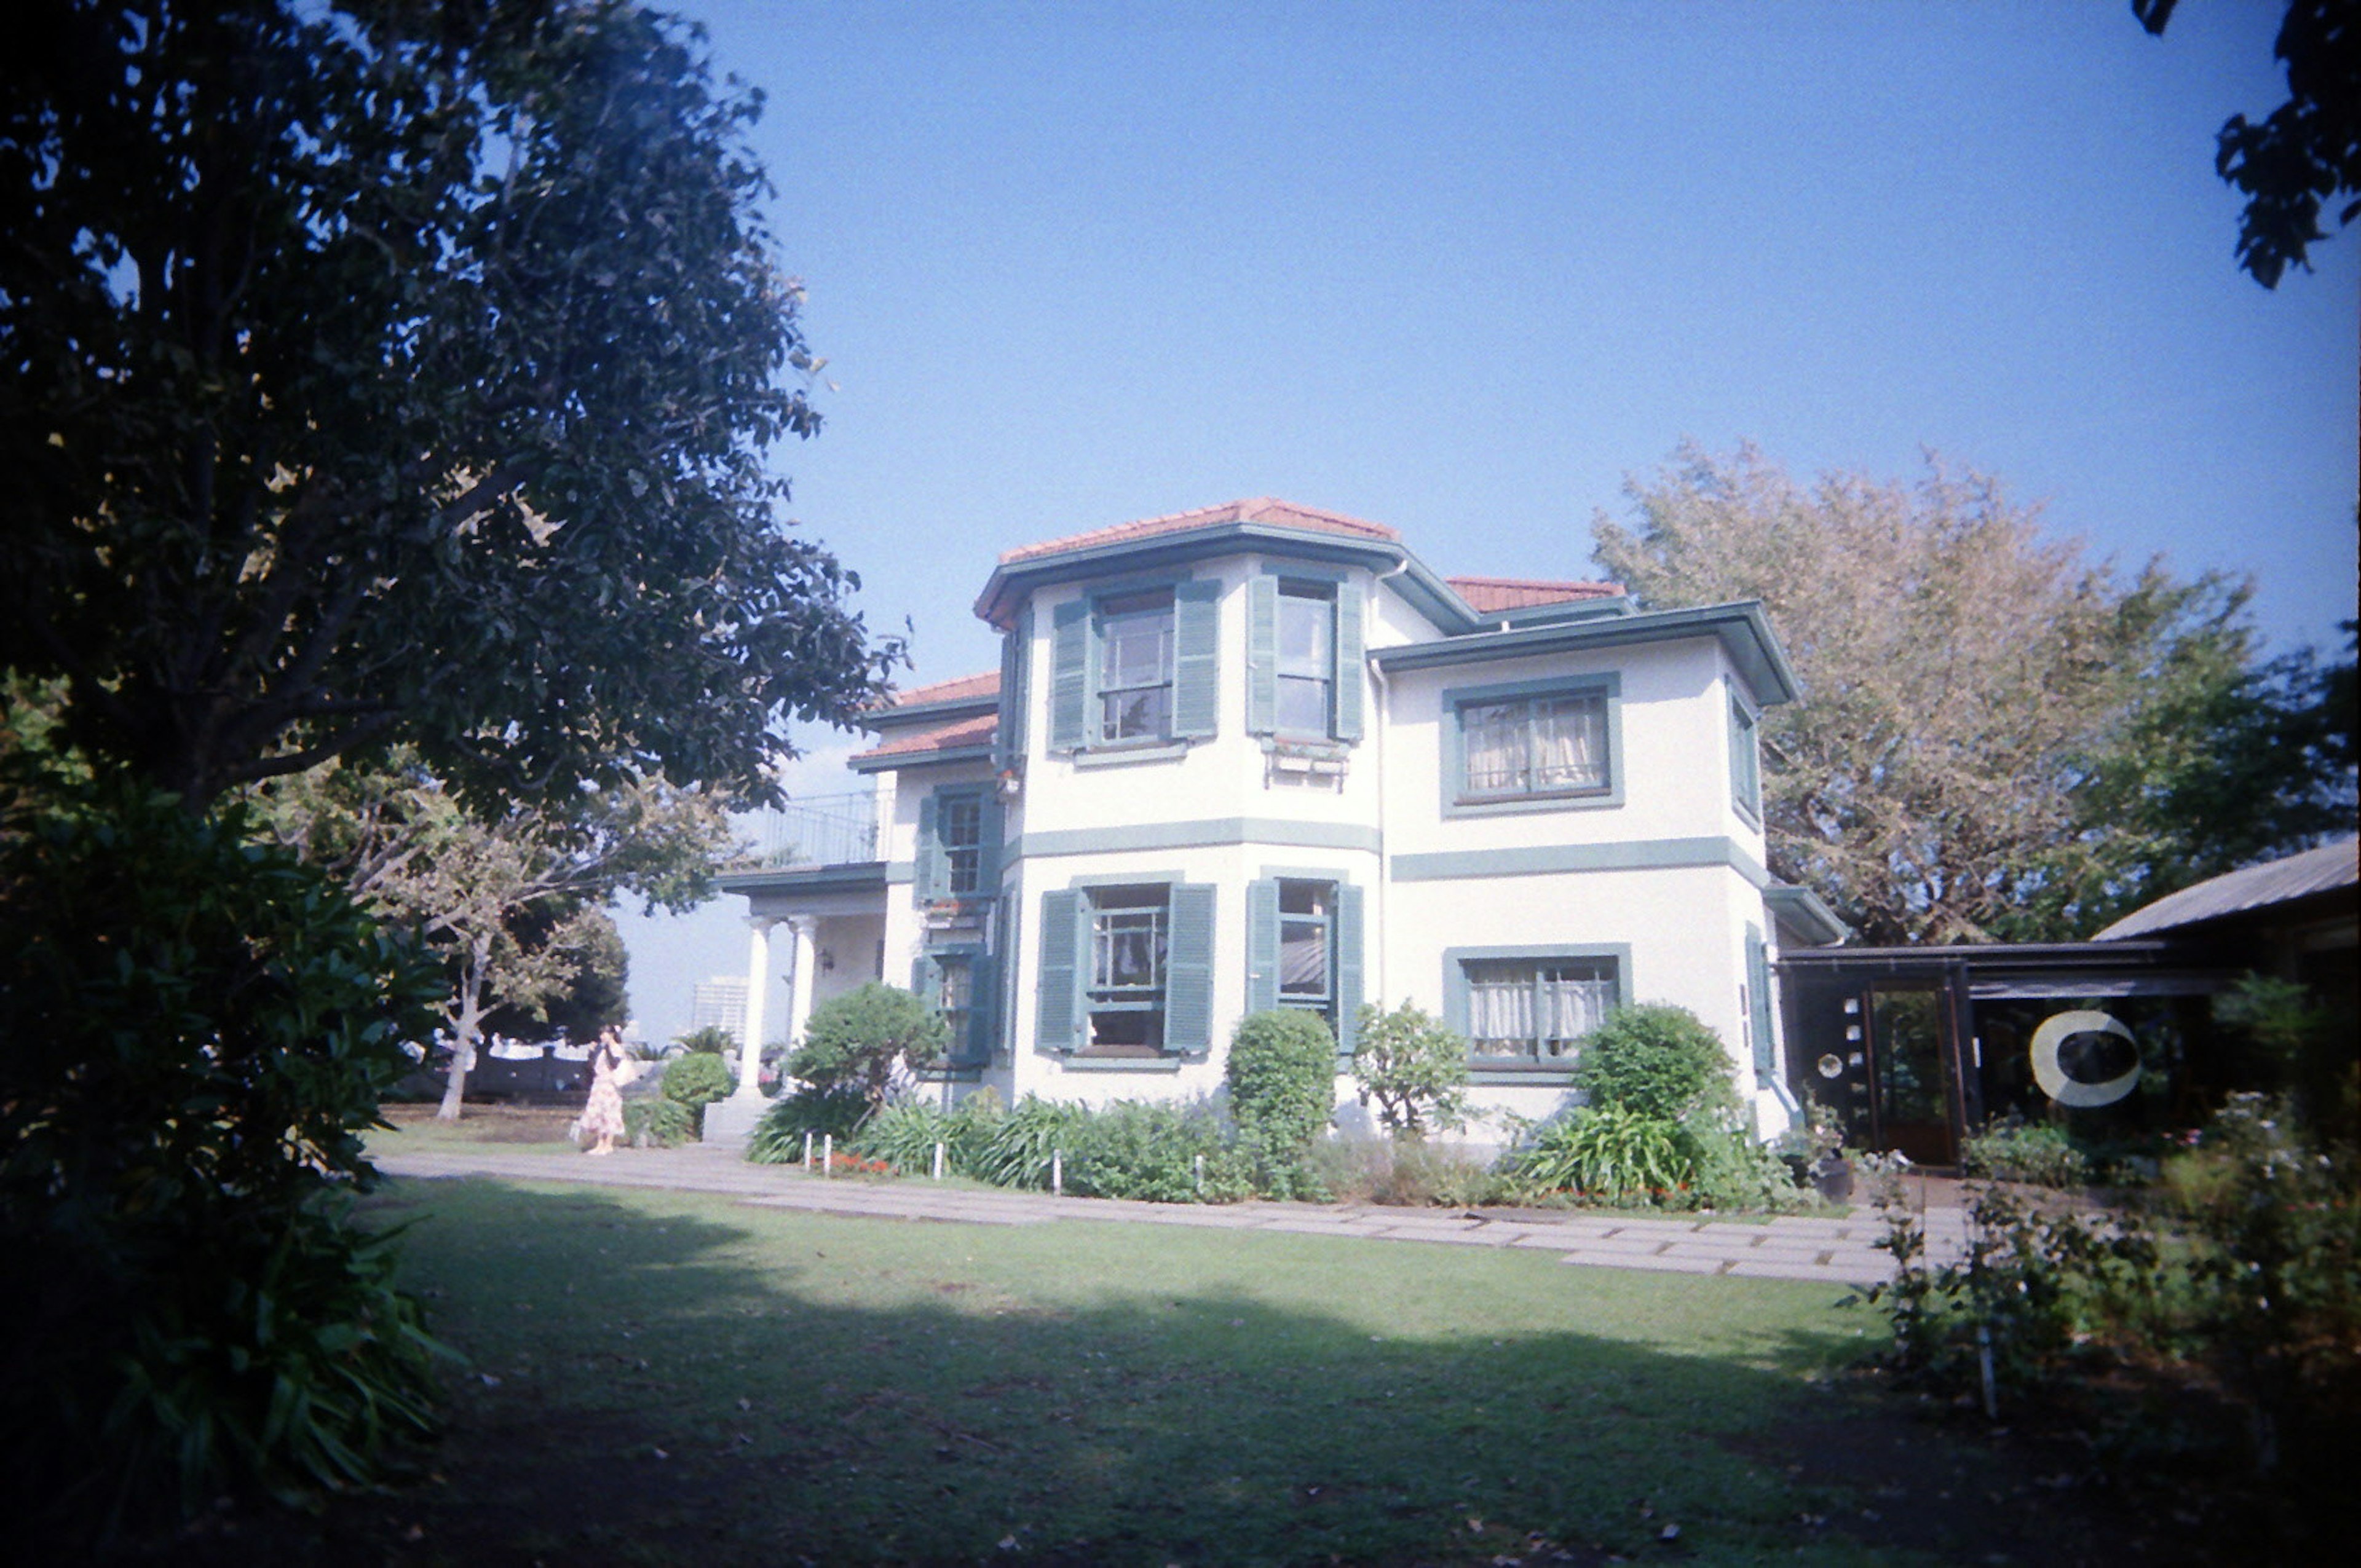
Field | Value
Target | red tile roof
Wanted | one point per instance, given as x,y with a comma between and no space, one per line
1262,509
961,688
953,736
1493,595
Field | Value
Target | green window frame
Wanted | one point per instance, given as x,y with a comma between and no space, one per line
1127,969
1745,760
960,982
1134,667
959,829
1549,744
1758,1009
1526,1010
1304,938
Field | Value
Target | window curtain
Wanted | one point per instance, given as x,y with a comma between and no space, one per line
1570,744
1495,742
1500,1006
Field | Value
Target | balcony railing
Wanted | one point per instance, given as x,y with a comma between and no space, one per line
818,830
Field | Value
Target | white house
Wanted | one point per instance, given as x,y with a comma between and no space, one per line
1261,755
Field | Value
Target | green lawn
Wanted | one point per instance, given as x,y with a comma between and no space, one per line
663,1377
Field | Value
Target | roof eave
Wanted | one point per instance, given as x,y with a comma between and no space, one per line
895,761
1743,632
1013,581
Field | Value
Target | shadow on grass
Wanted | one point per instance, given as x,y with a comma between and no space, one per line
660,1378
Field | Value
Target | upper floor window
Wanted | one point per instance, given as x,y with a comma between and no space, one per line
1307,660
1303,659
1135,688
959,843
1132,668
1534,746
960,823
1745,760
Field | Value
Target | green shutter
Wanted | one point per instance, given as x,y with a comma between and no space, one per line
925,980
1348,965
1004,963
1262,656
1058,1012
1196,659
987,857
1758,981
1069,674
1188,971
984,1013
1262,946
1016,654
1348,662
928,880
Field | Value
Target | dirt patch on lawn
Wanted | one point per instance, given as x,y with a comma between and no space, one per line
490,1124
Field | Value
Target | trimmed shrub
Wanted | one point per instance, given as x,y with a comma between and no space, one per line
1657,1062
863,1039
1414,1068
695,1081
1282,1078
197,1030
778,1138
2033,1153
658,1122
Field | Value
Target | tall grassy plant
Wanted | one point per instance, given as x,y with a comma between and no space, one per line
778,1138
1612,1153
1021,1147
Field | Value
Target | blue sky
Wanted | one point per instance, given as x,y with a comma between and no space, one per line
1465,268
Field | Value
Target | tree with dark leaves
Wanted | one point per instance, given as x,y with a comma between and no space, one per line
376,369
2308,151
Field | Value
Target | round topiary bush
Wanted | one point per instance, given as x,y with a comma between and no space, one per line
1657,1061
860,1040
1282,1078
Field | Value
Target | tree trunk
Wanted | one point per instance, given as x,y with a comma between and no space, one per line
466,1013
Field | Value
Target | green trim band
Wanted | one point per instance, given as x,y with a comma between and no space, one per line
1632,855
1212,831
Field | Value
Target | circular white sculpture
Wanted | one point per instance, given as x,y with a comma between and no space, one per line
2051,1074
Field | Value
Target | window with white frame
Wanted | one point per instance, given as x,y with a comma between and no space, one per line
1307,946
1538,746
1535,1011
1129,943
1306,659
959,825
1135,685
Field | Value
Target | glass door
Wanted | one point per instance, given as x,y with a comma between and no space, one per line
1909,1069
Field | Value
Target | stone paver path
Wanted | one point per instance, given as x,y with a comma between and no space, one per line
1837,1252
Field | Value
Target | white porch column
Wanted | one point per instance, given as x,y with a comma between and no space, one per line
803,969
758,988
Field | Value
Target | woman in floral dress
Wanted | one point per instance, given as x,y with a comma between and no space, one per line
611,1069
